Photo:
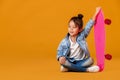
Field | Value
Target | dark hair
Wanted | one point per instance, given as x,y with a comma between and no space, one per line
77,20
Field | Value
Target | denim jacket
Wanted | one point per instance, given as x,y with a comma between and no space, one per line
64,46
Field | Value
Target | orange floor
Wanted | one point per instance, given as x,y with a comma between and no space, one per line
40,69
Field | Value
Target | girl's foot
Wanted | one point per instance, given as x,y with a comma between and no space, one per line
63,69
94,68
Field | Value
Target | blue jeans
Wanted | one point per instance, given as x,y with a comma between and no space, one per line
79,65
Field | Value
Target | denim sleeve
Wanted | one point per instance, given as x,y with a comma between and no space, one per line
88,27
60,50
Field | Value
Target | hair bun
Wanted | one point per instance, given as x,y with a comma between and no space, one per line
80,16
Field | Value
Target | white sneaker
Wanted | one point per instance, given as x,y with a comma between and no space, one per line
63,69
93,69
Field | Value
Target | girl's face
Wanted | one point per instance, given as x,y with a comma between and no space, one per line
73,29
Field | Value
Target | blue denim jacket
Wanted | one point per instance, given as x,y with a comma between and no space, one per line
64,46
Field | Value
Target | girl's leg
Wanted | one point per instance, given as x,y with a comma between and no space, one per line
85,62
80,65
73,67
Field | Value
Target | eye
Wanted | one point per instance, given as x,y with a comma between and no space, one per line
69,26
74,27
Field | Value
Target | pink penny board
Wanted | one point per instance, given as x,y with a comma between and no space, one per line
99,36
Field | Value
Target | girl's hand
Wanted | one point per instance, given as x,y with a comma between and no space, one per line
98,10
62,60
96,13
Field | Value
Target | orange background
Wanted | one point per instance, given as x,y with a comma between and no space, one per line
30,31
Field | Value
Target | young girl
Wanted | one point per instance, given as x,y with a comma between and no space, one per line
72,53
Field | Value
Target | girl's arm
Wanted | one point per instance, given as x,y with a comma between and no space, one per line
91,22
96,13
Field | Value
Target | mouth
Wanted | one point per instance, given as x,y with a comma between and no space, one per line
71,32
